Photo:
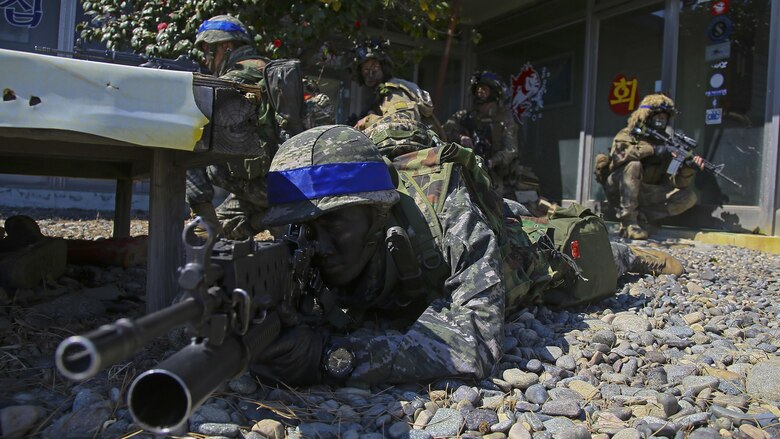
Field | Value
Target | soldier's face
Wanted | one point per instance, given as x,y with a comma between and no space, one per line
213,55
342,237
482,93
371,71
659,121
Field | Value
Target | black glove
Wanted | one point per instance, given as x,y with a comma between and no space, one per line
293,358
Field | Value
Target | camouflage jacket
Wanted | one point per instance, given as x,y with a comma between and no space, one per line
458,330
401,96
628,148
245,66
496,131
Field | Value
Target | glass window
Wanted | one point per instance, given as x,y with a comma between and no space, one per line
549,132
23,25
629,67
721,92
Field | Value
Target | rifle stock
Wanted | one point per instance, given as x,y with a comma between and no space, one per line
237,296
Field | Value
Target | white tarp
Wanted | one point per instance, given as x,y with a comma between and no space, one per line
142,106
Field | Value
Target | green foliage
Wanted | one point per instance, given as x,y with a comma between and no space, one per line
282,28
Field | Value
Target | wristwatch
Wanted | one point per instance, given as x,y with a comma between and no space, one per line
338,362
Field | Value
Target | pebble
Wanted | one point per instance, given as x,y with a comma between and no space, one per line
694,356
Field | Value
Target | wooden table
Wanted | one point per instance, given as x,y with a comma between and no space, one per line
39,150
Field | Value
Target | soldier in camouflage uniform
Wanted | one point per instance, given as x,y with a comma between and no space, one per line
634,174
229,54
490,129
372,68
384,322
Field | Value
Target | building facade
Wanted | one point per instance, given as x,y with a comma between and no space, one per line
575,70
593,61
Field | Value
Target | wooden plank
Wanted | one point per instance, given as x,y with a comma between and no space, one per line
166,222
123,202
63,167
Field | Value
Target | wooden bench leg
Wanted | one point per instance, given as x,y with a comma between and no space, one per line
166,222
123,204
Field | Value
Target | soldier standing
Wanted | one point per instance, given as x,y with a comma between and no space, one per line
490,130
634,174
229,54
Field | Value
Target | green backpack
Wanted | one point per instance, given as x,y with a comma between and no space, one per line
576,244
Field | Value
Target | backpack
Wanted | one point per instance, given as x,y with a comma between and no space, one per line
576,245
284,82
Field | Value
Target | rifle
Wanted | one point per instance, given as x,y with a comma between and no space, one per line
482,146
236,297
681,147
127,58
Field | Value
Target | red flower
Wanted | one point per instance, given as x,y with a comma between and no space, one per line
357,24
277,43
162,26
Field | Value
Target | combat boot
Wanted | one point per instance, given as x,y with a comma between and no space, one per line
633,231
654,262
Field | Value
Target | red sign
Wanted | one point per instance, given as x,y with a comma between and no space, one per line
622,95
720,7
575,249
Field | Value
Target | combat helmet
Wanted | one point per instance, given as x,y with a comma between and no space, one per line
491,80
323,169
222,28
399,133
368,49
650,106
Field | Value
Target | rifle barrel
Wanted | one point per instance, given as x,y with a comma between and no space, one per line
82,356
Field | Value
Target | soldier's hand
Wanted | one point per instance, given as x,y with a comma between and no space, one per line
294,357
699,161
361,124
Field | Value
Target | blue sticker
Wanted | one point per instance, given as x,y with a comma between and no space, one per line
711,93
714,116
719,29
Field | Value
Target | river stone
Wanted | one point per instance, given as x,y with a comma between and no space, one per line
562,407
269,428
519,379
763,380
17,420
445,422
630,322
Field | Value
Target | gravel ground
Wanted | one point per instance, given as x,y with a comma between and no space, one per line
695,356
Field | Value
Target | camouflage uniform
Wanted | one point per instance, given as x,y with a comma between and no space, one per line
241,212
494,134
455,325
497,132
637,184
394,95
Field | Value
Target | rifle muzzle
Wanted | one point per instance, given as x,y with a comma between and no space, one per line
82,356
162,399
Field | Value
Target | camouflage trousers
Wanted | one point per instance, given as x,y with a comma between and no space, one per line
633,198
242,211
622,256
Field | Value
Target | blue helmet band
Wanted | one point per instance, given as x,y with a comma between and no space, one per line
333,179
657,107
221,25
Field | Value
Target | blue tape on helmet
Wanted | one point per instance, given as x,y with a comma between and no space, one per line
333,179
221,25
